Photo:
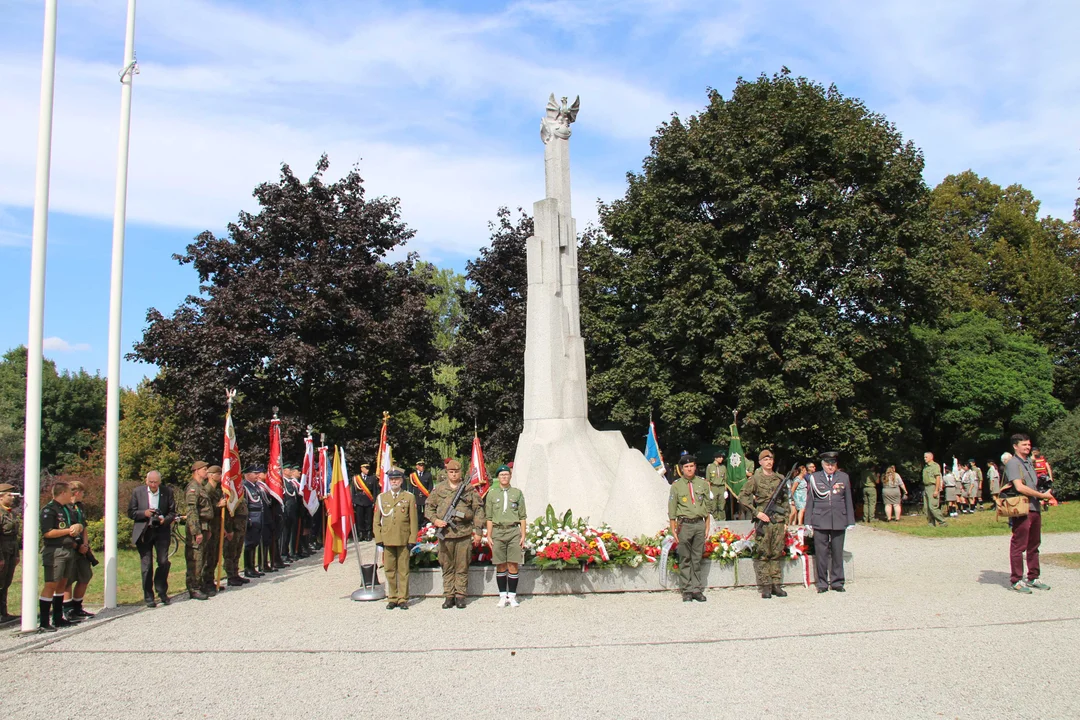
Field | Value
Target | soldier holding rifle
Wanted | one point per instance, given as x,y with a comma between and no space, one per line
455,508
765,495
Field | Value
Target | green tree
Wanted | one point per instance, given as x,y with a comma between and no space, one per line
148,436
72,412
491,342
769,258
299,308
987,383
1006,262
444,430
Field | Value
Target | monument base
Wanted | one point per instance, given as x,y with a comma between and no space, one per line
427,582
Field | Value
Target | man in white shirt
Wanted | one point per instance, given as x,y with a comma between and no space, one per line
153,508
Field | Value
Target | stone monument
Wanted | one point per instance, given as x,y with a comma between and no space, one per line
561,459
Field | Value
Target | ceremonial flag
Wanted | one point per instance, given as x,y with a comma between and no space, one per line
231,480
274,484
339,513
478,476
318,483
307,475
652,450
384,461
737,464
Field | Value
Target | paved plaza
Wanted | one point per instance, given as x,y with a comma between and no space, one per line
928,629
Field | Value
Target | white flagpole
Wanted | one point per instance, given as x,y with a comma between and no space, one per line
32,458
116,293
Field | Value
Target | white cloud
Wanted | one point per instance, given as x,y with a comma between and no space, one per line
55,344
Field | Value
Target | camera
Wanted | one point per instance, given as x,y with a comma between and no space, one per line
157,519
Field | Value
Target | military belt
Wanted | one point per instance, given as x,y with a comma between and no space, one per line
691,520
505,525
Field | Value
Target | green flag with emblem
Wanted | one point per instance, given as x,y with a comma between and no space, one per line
737,464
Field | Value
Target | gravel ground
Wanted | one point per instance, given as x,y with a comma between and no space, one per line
925,631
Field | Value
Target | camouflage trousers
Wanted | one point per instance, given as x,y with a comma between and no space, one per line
454,557
197,556
210,563
234,548
768,552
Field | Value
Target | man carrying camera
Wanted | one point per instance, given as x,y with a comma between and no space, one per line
153,508
84,560
59,537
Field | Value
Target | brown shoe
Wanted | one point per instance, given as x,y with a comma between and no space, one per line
460,602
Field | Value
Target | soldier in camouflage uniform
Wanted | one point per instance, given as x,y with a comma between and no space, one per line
217,501
769,548
396,524
716,476
200,512
235,530
462,532
10,539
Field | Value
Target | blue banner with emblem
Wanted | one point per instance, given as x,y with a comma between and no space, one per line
652,450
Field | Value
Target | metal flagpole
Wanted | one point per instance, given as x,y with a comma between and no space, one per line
116,292
34,360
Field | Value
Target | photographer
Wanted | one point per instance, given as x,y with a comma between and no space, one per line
84,560
153,508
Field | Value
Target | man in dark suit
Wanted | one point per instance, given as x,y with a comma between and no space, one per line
153,508
829,510
421,484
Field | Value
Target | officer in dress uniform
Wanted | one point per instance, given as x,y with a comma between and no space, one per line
396,525
689,503
830,512
460,534
364,491
200,512
769,549
256,507
10,539
290,530
507,522
420,485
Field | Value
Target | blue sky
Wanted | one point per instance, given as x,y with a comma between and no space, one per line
439,103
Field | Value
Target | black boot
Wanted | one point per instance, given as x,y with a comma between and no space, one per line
79,611
778,591
44,608
58,619
448,603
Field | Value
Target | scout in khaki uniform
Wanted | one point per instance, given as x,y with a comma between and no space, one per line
932,485
689,505
768,549
460,534
84,560
10,540
200,513
716,476
504,507
395,532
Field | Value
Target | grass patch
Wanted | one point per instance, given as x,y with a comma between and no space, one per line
128,580
1065,560
1063,518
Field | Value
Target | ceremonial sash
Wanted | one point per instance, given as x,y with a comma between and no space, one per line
359,482
419,485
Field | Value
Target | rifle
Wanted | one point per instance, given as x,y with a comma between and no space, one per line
448,516
770,507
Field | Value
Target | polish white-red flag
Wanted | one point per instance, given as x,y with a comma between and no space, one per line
274,484
318,482
231,479
478,476
384,461
308,496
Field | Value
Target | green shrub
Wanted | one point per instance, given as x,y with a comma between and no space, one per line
95,532
1061,445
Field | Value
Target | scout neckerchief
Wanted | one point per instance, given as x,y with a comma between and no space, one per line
358,480
506,497
690,484
67,515
415,480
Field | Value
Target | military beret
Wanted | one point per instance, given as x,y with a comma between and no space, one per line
686,459
395,473
214,469
199,465
764,454
502,468
829,457
453,464
6,488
